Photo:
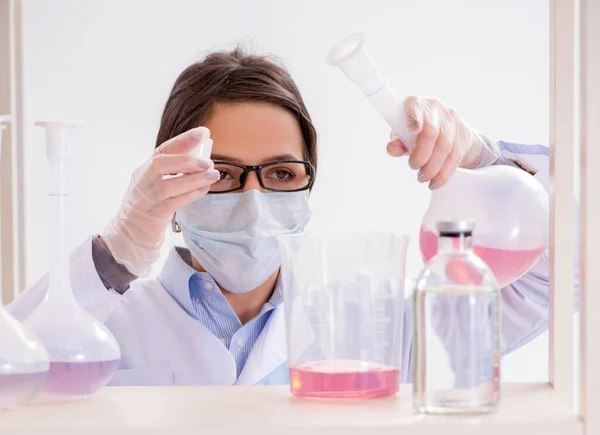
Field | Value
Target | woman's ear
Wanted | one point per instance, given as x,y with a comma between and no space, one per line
174,225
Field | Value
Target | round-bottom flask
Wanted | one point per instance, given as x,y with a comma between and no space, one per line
510,208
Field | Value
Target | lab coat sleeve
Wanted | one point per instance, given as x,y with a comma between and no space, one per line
87,287
524,304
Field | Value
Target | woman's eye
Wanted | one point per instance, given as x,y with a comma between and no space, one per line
282,174
224,175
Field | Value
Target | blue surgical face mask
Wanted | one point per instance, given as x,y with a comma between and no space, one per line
234,236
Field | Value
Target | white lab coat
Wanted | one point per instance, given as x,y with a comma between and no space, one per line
162,344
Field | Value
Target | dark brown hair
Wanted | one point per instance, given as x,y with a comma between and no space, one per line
233,76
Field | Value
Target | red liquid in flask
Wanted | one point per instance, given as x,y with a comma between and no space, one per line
344,380
506,265
78,378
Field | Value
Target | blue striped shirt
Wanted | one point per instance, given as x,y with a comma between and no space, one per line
200,296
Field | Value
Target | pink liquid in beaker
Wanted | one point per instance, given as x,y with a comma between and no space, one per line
340,380
506,265
78,378
17,389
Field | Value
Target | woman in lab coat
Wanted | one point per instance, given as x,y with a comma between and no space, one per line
214,315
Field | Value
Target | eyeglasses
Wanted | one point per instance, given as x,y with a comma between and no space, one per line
281,176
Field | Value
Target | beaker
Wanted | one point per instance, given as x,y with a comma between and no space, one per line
24,361
83,353
344,306
510,207
456,348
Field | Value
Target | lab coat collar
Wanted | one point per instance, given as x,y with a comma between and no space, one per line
175,277
177,272
268,353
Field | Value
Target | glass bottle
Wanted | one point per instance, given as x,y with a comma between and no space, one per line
456,346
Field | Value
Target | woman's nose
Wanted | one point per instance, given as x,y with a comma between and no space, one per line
252,182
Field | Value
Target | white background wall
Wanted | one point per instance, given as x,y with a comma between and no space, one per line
111,63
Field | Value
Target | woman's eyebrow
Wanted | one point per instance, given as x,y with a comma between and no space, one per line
226,158
280,157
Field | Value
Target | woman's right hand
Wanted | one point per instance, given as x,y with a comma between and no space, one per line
136,234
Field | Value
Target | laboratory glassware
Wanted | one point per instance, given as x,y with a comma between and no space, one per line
344,307
456,349
83,353
24,361
510,207
511,211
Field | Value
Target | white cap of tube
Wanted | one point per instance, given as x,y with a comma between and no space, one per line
58,136
204,147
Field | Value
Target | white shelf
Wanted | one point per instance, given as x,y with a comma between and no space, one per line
525,409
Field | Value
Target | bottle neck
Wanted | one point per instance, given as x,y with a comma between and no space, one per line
58,197
455,243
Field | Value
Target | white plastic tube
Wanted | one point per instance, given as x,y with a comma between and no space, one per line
352,57
204,148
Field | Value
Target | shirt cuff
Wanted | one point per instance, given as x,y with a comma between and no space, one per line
492,155
113,275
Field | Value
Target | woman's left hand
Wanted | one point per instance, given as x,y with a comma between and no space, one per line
444,141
